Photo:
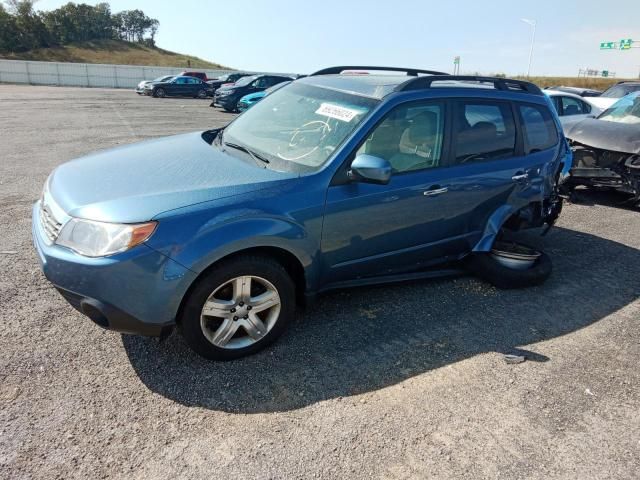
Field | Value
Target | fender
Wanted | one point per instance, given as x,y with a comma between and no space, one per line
492,228
211,241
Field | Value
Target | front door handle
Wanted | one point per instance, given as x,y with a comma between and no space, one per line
520,176
433,191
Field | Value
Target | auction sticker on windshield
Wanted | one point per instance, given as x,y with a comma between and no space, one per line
338,112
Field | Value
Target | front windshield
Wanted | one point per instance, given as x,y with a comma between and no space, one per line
619,91
298,127
245,81
625,110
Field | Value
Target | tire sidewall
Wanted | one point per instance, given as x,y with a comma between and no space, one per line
488,268
189,320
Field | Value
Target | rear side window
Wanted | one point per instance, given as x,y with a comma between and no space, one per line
573,106
484,131
539,128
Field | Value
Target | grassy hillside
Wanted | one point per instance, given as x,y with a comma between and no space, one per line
113,51
597,83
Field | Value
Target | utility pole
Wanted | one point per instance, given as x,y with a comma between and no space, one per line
533,24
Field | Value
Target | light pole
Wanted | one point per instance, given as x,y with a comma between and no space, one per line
533,39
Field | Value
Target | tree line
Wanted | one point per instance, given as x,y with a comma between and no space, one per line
23,28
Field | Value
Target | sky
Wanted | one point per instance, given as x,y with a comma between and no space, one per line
302,36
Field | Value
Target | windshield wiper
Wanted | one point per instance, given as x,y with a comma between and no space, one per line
256,157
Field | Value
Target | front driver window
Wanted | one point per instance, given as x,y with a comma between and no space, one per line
410,137
260,83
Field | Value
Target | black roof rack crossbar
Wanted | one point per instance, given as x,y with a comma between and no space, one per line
498,83
409,71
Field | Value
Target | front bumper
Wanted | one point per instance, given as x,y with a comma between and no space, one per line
138,291
225,101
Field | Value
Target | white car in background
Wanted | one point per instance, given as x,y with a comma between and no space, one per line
141,85
573,108
614,93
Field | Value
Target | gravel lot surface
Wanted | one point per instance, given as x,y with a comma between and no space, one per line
406,381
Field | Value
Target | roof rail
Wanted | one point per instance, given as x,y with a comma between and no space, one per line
498,83
413,72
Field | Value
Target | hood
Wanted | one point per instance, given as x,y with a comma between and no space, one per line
602,102
135,183
252,97
605,135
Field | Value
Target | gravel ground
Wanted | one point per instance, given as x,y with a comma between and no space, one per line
356,389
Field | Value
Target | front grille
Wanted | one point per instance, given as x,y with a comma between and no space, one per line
50,225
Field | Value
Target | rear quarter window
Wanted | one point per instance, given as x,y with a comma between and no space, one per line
540,132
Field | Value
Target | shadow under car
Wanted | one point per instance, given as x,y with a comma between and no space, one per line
365,339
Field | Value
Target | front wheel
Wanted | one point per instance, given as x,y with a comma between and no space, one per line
159,93
237,309
201,94
509,265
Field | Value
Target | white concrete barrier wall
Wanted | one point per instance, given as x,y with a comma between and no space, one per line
86,74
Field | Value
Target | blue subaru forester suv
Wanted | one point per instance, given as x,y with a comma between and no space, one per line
335,180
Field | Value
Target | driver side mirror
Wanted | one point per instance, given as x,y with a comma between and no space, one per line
370,169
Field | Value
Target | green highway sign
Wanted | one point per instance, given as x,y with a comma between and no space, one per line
605,73
625,44
456,60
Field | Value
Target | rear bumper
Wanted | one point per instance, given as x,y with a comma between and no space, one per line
138,291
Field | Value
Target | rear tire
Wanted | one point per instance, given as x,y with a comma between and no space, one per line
201,326
485,266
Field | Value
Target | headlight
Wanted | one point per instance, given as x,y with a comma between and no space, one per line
99,239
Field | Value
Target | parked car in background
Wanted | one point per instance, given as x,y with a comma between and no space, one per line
228,96
140,88
229,78
615,92
179,87
606,150
572,108
201,75
334,181
250,100
583,92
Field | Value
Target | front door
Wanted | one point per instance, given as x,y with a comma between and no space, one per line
371,229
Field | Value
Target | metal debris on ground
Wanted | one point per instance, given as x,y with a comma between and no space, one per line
513,359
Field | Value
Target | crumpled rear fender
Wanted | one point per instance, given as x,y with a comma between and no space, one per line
492,228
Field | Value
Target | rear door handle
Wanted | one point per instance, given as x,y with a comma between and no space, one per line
520,176
433,191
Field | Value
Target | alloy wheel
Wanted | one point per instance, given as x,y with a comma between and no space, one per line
240,312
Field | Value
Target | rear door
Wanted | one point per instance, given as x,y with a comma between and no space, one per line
194,85
500,153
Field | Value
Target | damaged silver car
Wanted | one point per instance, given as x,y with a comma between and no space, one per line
606,149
